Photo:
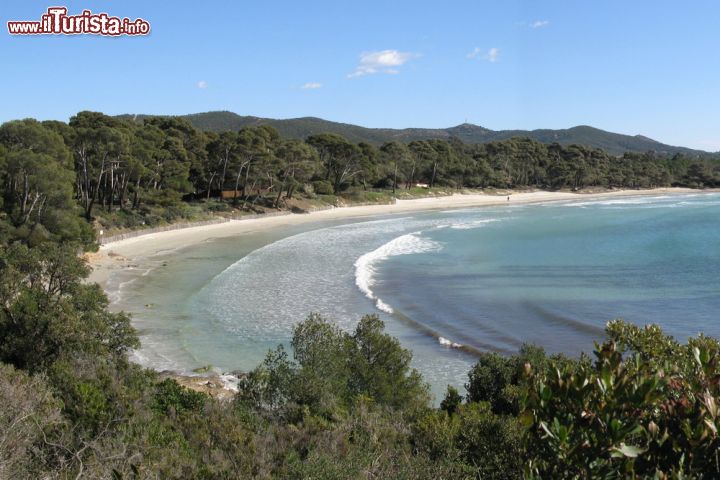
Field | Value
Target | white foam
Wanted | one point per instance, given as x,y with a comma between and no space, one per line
384,307
230,381
473,224
644,200
147,271
448,343
365,266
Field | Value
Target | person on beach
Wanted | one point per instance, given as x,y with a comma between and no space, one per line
508,198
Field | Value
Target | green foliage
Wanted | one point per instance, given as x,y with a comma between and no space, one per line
499,380
269,386
47,311
435,435
37,177
346,405
647,407
372,442
488,379
473,442
321,350
490,442
331,370
322,187
380,367
128,174
171,396
452,400
98,392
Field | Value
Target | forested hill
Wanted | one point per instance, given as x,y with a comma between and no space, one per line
301,128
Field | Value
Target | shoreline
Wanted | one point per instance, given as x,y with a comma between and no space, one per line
114,257
120,254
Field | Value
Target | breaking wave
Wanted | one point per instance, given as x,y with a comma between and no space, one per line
448,343
365,266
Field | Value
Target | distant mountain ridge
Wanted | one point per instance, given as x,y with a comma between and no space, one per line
614,143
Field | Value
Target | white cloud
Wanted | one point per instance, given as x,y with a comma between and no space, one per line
491,55
311,86
385,61
476,51
539,23
202,84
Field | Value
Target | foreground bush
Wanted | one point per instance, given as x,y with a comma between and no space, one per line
47,310
28,414
647,407
332,369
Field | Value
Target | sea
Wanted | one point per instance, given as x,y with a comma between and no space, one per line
448,284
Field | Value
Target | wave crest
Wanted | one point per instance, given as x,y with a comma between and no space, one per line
448,343
365,266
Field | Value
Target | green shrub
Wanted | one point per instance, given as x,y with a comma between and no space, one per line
488,379
435,435
647,407
323,187
332,368
171,396
49,311
452,400
474,441
492,443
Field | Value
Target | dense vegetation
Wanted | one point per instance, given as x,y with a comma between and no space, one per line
338,404
300,128
342,405
128,175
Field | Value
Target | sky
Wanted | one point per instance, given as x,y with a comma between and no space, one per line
633,67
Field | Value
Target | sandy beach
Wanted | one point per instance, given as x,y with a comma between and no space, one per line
117,255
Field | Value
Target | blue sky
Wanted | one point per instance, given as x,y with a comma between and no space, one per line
635,67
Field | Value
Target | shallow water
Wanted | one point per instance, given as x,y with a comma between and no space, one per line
448,284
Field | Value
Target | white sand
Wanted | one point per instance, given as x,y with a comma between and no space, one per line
116,255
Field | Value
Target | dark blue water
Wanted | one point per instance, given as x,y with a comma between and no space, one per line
555,274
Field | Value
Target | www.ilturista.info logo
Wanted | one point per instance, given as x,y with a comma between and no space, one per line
57,22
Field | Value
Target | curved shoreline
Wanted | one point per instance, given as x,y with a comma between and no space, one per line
115,256
135,251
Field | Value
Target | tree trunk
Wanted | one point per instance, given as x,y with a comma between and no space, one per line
209,186
395,178
280,190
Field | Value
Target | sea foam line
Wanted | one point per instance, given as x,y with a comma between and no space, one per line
644,200
448,343
365,266
472,224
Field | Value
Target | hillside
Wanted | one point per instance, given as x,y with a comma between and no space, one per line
613,143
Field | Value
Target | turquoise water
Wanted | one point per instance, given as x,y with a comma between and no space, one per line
448,284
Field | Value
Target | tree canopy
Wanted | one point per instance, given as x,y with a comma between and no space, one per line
122,172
